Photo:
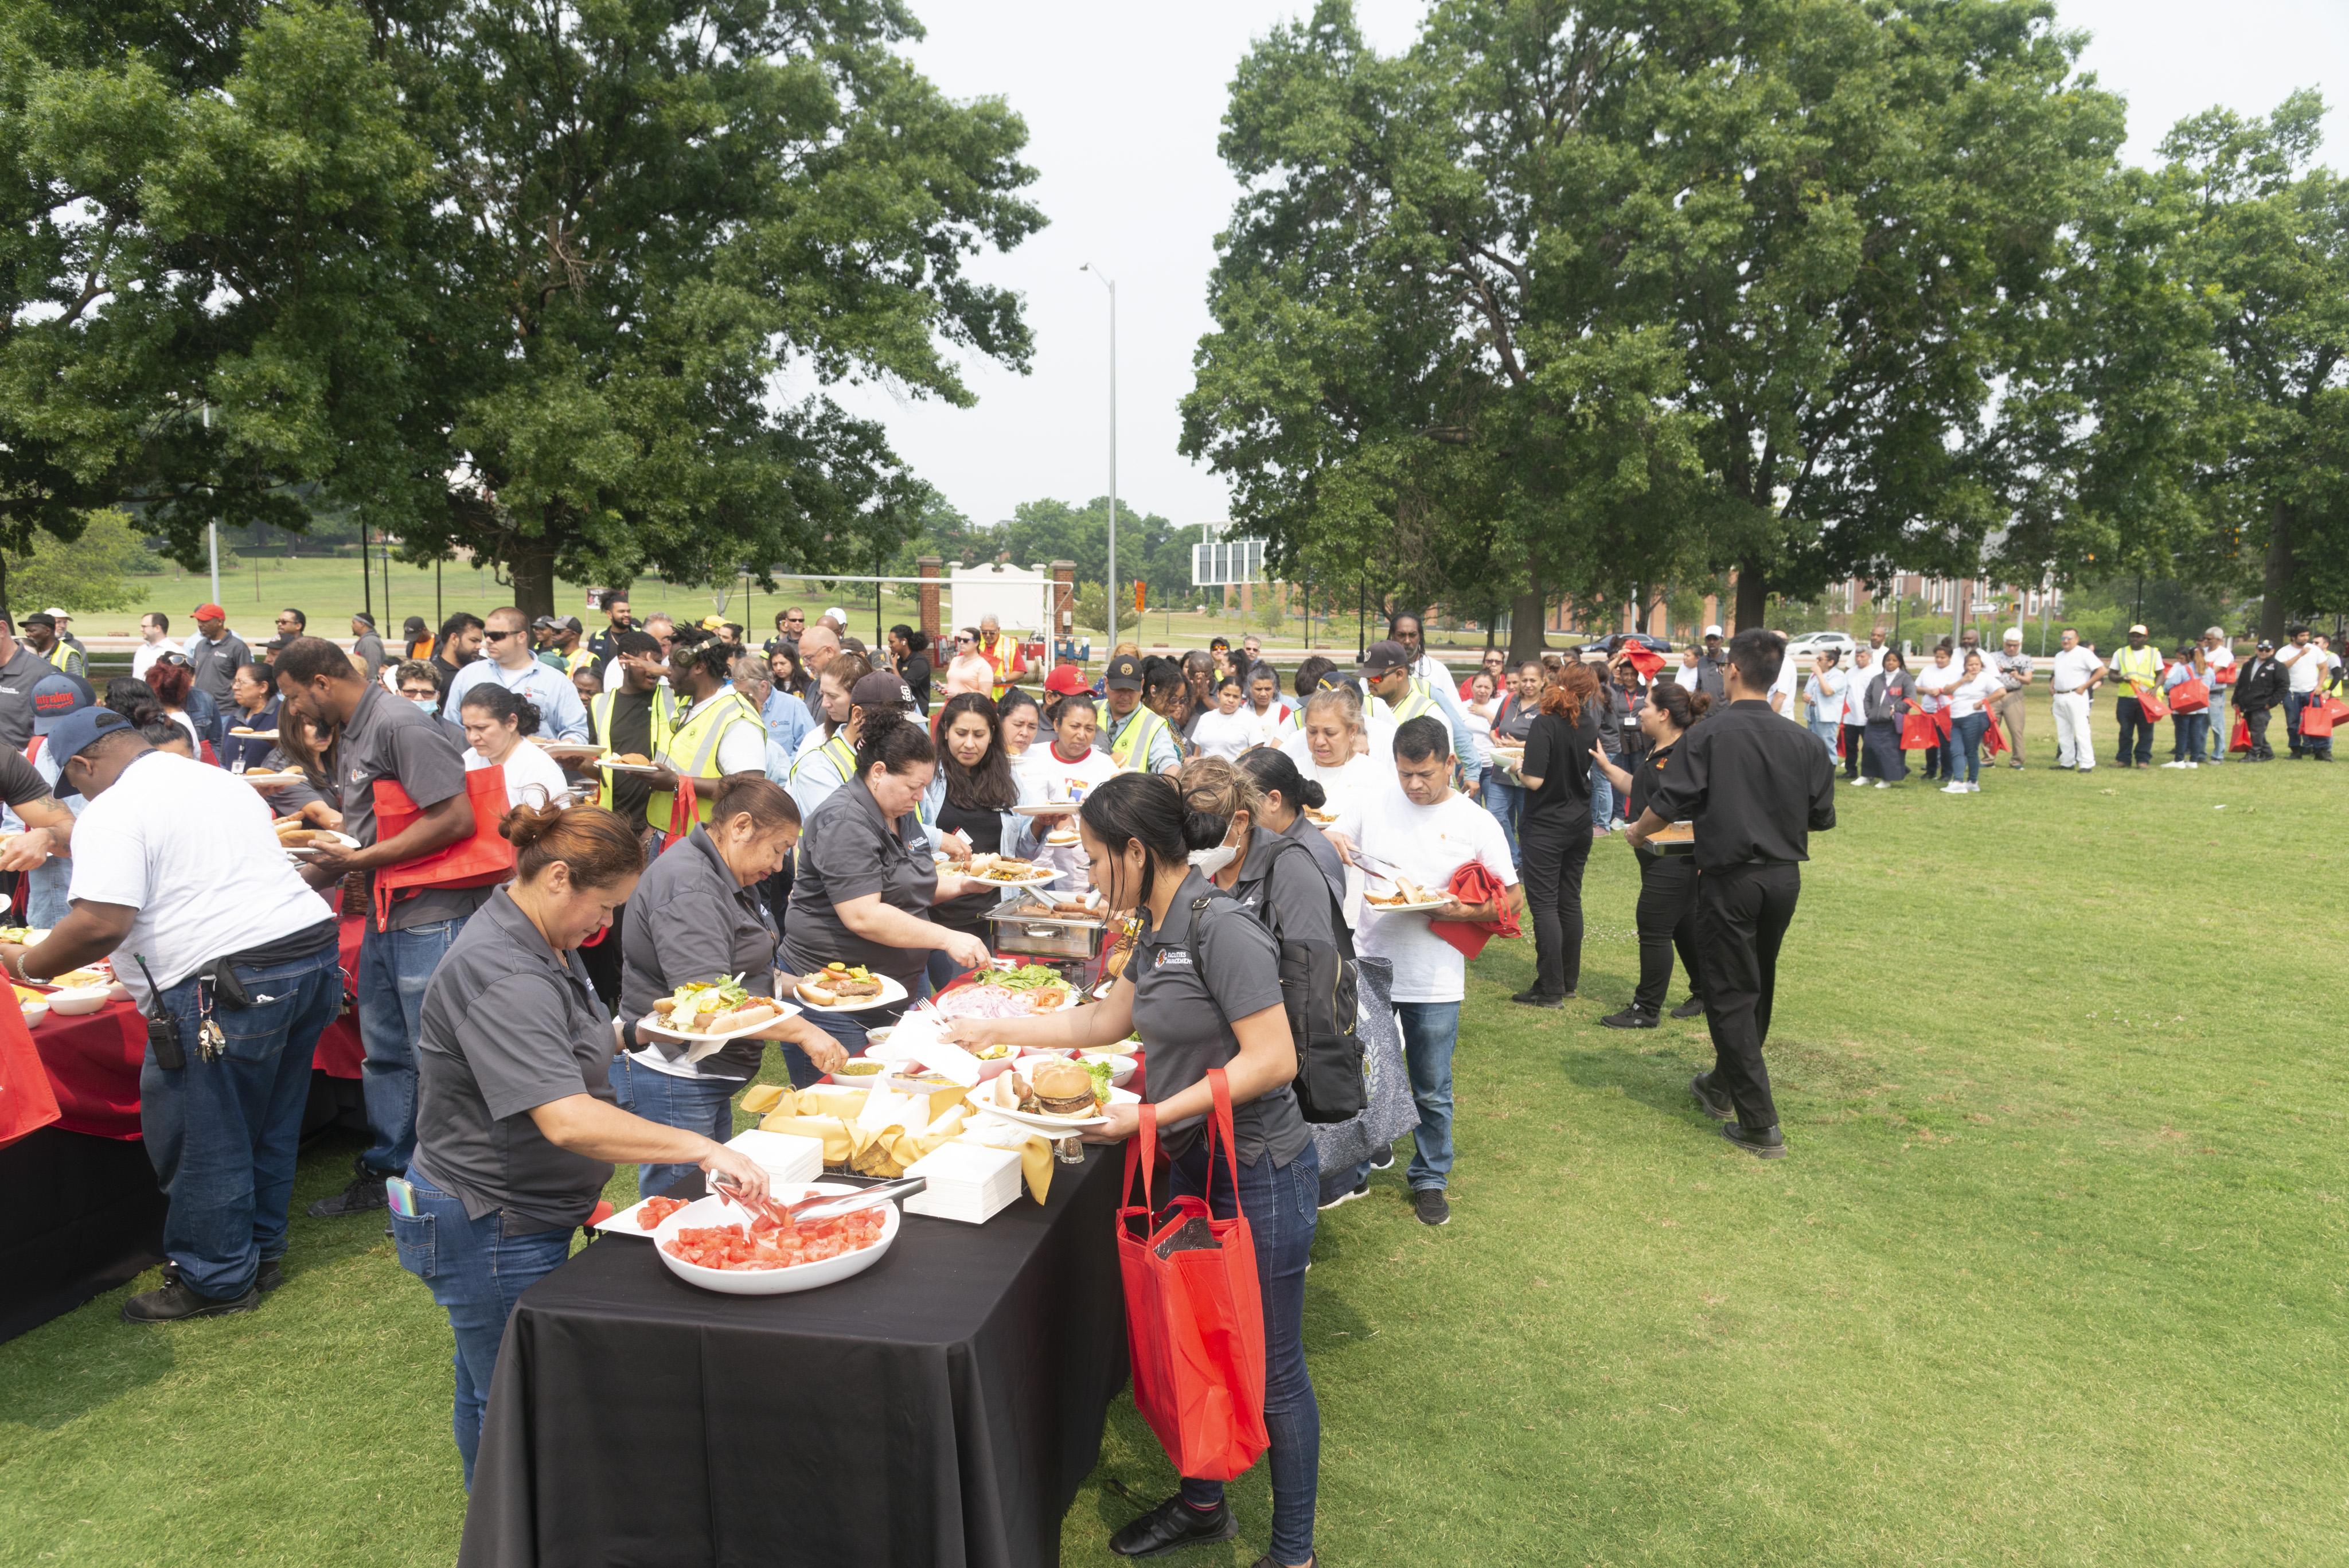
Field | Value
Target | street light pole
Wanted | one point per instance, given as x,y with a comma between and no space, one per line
1108,282
214,526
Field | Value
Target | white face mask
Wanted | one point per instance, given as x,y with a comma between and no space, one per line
1212,861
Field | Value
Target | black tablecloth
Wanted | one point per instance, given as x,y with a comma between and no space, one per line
940,1408
78,1215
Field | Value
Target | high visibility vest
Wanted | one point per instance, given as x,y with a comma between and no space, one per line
1131,749
64,655
1417,703
663,720
691,750
1002,659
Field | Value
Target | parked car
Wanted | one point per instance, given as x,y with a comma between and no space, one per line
1812,642
1612,645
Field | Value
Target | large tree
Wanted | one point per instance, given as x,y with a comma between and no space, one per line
1642,289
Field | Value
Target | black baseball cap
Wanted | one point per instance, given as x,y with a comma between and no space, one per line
881,688
1125,674
1382,658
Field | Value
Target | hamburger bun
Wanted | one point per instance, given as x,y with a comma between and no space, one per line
1062,1088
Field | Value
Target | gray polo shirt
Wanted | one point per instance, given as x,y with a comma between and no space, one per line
689,920
386,737
1184,1016
849,850
369,649
216,664
16,678
508,1026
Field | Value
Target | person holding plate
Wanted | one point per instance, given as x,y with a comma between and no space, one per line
867,878
1203,991
696,915
1665,916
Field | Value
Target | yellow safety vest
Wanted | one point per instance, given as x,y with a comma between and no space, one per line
2138,666
663,720
1131,749
1419,703
691,751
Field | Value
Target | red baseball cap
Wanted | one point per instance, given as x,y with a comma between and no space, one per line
209,612
1067,681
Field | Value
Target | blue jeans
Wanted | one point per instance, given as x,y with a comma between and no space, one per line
2189,732
44,892
1602,792
223,1134
1430,1031
2293,702
851,1029
705,1106
1280,1205
394,969
1829,730
2136,732
1506,802
1966,749
2216,729
477,1271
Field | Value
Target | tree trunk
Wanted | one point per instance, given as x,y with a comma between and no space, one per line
1526,639
2275,602
1753,606
532,568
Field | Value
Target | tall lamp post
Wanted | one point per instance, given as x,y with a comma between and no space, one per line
1111,284
212,528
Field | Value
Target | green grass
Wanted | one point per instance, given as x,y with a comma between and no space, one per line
2051,1274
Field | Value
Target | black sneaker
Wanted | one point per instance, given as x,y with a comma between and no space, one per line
1359,1189
1430,1204
176,1303
363,1195
1631,1017
1383,1157
1173,1525
272,1274
1536,999
1765,1143
1692,1008
1716,1104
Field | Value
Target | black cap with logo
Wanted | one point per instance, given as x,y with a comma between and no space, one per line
1125,674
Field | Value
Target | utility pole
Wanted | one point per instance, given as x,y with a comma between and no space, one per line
1111,284
213,527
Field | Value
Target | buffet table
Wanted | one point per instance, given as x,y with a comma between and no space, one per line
941,1408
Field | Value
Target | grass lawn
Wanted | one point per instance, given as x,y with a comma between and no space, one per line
2051,1274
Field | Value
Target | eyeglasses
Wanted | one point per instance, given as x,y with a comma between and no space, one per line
498,636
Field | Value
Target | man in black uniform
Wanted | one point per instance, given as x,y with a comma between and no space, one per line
1756,787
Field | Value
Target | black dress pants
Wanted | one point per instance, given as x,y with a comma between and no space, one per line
1742,913
1666,918
1553,850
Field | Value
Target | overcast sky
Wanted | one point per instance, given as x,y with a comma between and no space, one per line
1124,104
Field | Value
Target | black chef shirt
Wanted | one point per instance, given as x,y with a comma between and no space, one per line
1756,785
848,850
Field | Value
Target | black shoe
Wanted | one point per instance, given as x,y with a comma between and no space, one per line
1359,1189
272,1274
1631,1017
1430,1204
1692,1008
1383,1157
1767,1144
1716,1104
176,1302
1173,1525
1536,999
364,1194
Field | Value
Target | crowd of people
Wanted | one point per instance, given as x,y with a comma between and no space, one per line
546,830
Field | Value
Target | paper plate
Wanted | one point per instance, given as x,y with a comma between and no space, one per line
790,1010
892,993
299,852
1405,908
645,769
272,781
1050,808
1033,879
252,734
1057,1126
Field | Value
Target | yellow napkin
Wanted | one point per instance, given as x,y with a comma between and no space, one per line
827,1112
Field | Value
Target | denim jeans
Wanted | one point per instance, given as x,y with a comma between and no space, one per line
44,891
2293,702
2218,728
705,1106
2188,733
1829,730
1852,734
1430,1031
851,1029
1965,747
223,1134
2136,732
477,1271
1280,1206
1506,802
394,969
1602,792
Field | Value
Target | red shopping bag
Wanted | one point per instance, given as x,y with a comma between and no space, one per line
2316,721
685,807
1194,1313
2190,696
482,860
1917,732
2241,741
1997,742
2149,703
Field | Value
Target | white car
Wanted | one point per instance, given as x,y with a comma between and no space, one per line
1812,642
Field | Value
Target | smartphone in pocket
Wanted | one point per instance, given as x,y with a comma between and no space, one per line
402,1197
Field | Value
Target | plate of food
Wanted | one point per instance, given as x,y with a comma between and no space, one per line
299,840
714,1242
24,936
1063,839
1008,871
1052,1094
1405,897
1049,808
271,778
241,733
572,750
629,763
847,988
710,1012
1321,815
1019,992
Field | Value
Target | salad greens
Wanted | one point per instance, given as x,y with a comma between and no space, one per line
1027,977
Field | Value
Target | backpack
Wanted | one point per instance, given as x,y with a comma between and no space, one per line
1318,992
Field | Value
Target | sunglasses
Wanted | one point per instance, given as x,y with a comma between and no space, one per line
498,636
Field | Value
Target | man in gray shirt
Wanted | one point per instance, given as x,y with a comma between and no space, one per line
368,648
381,739
216,654
20,668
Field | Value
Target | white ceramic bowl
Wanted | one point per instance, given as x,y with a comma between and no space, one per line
990,1066
864,1080
767,1281
1121,1067
77,1000
34,1011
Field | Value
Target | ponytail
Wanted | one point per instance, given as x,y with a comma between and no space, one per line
599,849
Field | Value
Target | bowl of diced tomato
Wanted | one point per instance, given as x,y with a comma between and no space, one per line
710,1243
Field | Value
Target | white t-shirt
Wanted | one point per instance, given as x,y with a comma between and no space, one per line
143,658
1267,728
2307,664
1051,776
1854,690
1825,694
2072,669
1935,681
190,848
531,775
1220,734
1426,844
1968,696
1787,690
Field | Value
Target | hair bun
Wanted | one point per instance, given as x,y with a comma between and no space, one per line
525,824
1312,795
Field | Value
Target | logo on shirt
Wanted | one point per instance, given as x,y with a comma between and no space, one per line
1172,958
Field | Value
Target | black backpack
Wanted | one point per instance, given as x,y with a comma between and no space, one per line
1318,992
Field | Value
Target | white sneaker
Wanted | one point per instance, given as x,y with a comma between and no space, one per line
1974,789
1953,789
1882,784
2177,764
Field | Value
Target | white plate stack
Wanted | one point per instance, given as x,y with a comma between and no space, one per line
787,1159
967,1182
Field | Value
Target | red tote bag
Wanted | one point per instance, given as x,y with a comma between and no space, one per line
1919,733
483,860
2241,741
2149,703
1194,1313
2316,721
2190,696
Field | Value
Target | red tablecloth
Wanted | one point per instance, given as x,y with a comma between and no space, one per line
93,1060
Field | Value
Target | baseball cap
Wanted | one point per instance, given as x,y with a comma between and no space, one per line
2137,630
2266,646
54,697
209,612
544,623
1713,631
1067,681
838,614
1382,658
713,623
881,688
73,734
1124,673
59,614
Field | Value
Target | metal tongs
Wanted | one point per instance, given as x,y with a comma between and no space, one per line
767,1216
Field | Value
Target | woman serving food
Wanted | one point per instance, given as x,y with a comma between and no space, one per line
1204,991
698,956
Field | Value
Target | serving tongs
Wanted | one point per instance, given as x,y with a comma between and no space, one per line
767,1216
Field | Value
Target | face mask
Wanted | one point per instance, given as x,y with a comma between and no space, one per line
425,705
1210,862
